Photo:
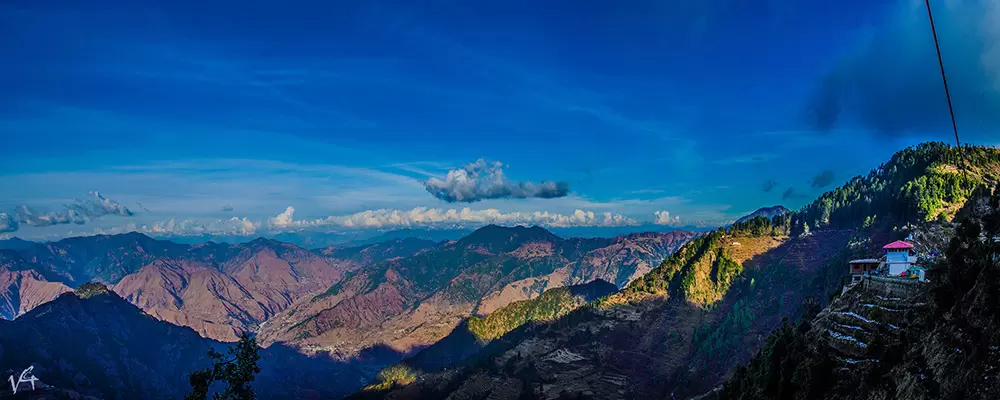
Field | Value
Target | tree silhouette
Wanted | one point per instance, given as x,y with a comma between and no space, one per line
237,371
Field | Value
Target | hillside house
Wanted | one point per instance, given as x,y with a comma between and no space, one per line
898,262
899,257
862,267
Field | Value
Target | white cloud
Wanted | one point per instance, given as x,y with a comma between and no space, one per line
231,226
284,219
437,217
662,217
420,217
7,223
99,205
190,227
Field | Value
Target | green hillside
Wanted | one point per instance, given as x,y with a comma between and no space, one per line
927,182
548,306
942,344
703,269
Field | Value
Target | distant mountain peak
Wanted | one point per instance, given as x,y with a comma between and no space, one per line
127,238
260,240
268,243
501,237
766,212
130,236
493,229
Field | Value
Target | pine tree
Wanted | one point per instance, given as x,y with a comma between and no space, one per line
238,372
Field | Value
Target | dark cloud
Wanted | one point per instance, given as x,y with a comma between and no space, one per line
822,179
790,194
227,208
83,210
891,82
484,180
769,185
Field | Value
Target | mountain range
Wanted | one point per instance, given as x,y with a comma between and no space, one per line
681,329
217,289
499,313
348,304
411,302
319,239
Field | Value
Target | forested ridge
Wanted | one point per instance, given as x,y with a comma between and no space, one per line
706,249
946,347
920,183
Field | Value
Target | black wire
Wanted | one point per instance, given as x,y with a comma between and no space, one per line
947,94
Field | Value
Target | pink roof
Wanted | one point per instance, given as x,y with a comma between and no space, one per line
899,244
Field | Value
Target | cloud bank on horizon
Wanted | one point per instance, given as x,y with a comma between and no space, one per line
482,180
387,219
80,212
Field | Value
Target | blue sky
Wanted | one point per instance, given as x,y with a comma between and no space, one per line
220,116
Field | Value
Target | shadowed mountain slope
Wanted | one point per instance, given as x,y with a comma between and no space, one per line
94,342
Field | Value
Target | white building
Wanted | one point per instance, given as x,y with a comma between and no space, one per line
898,257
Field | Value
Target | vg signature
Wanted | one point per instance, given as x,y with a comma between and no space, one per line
26,377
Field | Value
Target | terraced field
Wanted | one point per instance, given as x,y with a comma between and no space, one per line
867,316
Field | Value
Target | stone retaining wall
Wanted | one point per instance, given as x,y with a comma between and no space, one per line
892,287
